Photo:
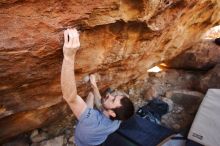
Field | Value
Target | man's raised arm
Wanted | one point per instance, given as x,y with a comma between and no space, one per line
68,83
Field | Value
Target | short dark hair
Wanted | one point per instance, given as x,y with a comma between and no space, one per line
217,41
125,111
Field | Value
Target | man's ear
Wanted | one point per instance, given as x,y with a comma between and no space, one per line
111,113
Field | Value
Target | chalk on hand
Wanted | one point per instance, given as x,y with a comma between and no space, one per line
86,79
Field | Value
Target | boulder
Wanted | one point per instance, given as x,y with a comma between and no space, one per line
189,100
39,137
204,55
57,141
152,92
211,79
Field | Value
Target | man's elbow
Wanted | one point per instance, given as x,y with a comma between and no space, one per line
70,98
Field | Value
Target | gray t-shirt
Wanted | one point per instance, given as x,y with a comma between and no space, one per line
93,128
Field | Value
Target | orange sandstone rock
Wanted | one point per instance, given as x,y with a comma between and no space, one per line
120,40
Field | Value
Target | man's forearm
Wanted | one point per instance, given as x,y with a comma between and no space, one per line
68,83
97,96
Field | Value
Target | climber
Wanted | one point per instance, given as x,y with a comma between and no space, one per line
93,125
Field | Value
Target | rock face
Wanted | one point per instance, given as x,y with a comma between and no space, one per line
120,40
211,79
202,56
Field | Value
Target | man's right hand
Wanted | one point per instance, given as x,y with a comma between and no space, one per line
71,43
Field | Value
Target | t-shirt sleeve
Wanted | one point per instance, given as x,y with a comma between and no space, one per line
87,117
93,127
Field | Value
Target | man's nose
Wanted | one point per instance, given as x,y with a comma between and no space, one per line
111,97
107,95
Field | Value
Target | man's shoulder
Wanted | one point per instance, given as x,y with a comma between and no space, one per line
90,116
93,118
95,127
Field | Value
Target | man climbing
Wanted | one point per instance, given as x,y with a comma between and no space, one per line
93,125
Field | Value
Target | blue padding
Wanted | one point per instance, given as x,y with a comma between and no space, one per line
143,131
138,132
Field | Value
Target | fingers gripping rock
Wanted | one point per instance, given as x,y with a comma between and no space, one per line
71,42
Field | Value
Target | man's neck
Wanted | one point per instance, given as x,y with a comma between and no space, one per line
105,113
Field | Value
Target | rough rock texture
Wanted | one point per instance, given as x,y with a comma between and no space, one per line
190,100
58,141
202,56
120,40
211,79
171,80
